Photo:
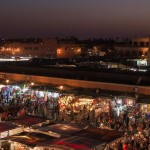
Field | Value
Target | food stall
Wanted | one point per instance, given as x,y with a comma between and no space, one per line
82,107
79,103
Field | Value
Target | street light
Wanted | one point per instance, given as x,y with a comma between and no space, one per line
32,83
7,81
61,87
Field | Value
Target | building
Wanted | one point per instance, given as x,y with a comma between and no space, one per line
43,48
51,48
68,50
141,42
137,49
48,48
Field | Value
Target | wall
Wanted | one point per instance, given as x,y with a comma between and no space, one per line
77,83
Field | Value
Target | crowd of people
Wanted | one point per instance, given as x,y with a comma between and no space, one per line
135,126
16,105
132,122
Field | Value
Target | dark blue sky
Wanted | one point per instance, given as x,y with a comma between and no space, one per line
82,18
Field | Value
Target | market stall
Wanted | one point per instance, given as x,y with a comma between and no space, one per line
10,92
79,108
25,141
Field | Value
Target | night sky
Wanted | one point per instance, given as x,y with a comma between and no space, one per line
81,18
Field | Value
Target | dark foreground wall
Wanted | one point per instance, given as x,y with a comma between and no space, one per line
83,79
122,78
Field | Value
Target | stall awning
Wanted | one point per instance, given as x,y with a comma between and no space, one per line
29,139
6,126
103,135
75,143
28,121
62,129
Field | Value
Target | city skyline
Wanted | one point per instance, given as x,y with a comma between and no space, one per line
82,19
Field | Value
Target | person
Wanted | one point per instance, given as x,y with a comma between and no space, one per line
125,146
147,131
119,146
137,145
125,138
127,121
124,117
130,146
72,114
